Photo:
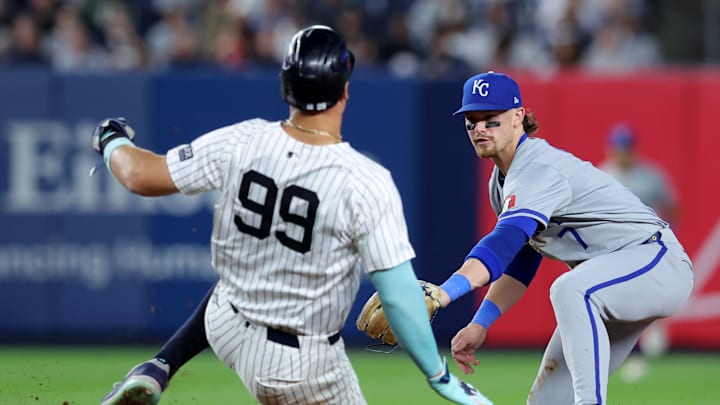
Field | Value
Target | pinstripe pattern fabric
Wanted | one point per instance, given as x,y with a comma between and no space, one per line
316,373
293,228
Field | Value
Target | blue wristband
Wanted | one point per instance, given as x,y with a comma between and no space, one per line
487,314
456,286
110,148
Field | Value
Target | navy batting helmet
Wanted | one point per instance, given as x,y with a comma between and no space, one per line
316,66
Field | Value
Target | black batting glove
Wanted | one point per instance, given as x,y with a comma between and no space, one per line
109,129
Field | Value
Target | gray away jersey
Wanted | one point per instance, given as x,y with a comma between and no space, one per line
582,211
293,222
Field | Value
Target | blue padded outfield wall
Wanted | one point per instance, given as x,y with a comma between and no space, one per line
84,261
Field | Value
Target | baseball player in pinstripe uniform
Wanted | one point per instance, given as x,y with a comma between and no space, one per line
299,212
627,268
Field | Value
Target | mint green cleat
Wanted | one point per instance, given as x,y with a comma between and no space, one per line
143,385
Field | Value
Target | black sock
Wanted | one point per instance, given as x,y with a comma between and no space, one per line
187,341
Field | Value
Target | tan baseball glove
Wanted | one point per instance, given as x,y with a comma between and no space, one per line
374,323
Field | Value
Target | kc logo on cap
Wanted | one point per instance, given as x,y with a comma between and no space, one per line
490,92
480,87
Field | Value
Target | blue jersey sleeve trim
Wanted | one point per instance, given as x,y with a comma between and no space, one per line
525,264
498,248
526,212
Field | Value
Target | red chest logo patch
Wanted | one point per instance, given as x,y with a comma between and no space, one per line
509,203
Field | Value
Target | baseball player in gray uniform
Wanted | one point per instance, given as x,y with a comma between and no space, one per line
648,181
644,178
627,268
300,214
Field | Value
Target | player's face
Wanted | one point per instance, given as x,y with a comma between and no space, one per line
623,157
490,132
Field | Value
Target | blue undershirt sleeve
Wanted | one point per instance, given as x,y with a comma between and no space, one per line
524,265
404,305
498,248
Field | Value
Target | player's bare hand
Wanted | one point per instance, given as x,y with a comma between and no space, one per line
464,344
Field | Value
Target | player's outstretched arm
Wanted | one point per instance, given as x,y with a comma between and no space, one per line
487,261
492,256
404,306
139,170
472,274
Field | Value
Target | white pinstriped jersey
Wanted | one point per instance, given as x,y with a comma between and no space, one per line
583,211
293,222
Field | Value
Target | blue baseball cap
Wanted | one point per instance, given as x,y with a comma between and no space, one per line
489,92
621,136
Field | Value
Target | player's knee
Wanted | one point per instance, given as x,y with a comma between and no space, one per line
564,291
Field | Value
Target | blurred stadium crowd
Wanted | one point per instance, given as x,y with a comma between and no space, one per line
421,38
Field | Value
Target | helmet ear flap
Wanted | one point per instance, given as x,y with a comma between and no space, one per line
346,63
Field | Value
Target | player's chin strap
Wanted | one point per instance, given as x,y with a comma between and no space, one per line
381,348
